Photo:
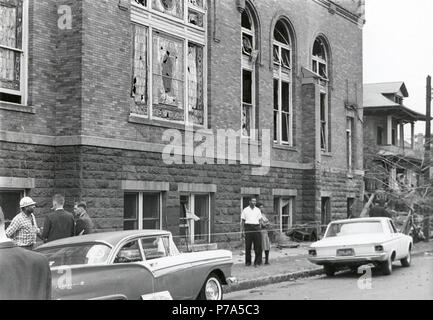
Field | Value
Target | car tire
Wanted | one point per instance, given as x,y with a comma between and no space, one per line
212,288
329,270
407,261
387,266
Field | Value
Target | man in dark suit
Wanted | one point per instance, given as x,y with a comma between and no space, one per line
60,223
24,274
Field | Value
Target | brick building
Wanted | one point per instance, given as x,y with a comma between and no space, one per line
88,90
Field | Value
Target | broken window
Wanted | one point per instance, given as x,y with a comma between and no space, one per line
282,53
195,84
195,18
11,46
248,73
247,102
168,77
320,59
247,34
170,7
323,122
140,76
142,2
349,143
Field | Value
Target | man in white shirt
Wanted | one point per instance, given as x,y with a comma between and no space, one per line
251,219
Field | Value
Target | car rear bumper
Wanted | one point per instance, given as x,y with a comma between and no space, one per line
349,260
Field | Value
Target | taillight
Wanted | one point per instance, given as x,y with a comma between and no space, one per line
312,253
378,248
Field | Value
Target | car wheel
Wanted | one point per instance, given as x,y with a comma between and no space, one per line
329,270
387,266
212,289
407,261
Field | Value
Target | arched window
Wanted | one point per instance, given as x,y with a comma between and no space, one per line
283,106
249,55
320,65
320,60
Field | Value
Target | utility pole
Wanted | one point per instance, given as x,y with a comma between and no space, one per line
427,153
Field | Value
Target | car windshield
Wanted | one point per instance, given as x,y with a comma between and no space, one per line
353,228
87,254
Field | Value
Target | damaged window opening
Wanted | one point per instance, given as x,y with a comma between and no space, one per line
248,38
12,46
283,127
320,66
168,79
323,122
320,59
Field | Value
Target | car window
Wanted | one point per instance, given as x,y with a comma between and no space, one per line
392,227
352,228
129,253
88,254
156,247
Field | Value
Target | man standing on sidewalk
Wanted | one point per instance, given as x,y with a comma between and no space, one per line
23,229
24,274
83,223
60,223
251,229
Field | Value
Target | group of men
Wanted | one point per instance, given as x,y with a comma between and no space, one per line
25,274
58,224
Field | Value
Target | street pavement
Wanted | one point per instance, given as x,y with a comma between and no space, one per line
286,265
414,283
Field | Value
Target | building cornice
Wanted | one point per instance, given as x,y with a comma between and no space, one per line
341,11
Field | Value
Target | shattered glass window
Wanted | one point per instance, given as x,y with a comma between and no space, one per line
195,18
168,77
11,15
195,84
170,7
140,78
247,102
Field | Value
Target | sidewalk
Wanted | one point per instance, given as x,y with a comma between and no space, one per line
285,265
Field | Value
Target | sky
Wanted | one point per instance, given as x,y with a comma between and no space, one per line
398,46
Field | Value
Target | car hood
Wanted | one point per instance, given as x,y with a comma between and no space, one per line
350,240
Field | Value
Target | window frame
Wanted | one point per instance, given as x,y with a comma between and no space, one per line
180,29
191,201
24,52
325,121
350,143
250,66
280,214
281,77
140,213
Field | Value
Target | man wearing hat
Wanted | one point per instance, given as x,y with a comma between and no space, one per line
24,274
23,229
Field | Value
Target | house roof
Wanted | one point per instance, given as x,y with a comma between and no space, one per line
375,99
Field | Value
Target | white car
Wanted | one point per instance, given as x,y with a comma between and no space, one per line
356,242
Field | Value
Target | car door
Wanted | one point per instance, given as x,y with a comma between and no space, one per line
398,240
173,273
130,257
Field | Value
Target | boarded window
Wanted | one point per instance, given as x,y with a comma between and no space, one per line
140,78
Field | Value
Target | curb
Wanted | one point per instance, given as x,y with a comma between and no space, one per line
259,282
285,277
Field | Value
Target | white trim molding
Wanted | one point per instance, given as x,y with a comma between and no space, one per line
197,188
17,183
284,192
131,185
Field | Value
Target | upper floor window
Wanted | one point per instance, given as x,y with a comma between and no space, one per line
320,60
320,65
248,107
282,77
13,55
168,80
